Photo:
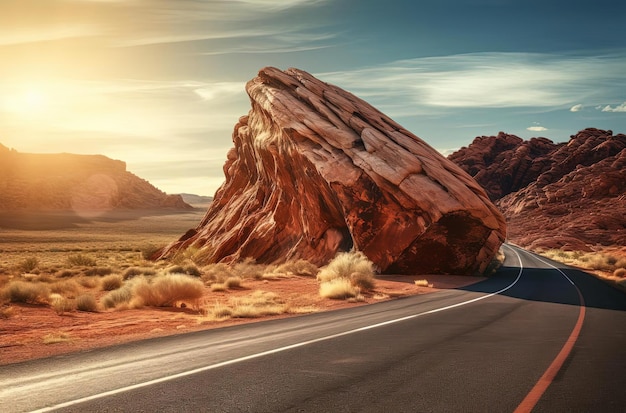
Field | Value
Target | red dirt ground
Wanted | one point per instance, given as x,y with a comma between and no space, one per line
23,333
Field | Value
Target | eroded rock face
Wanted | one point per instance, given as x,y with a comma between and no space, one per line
555,195
315,170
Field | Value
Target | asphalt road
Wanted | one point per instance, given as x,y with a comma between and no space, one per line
483,348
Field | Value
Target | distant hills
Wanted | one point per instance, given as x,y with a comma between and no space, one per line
52,182
554,195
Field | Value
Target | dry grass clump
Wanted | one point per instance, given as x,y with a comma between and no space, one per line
111,282
291,269
216,273
588,260
68,288
168,290
86,302
117,298
423,283
258,304
338,289
26,292
80,260
28,264
355,272
249,269
89,282
61,304
99,271
188,268
131,272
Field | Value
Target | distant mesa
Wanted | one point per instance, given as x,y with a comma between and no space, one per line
86,184
193,199
315,170
554,195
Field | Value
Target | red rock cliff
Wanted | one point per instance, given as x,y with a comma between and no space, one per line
555,195
315,170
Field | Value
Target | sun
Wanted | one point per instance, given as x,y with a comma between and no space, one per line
26,102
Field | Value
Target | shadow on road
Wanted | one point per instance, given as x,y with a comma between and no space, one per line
549,285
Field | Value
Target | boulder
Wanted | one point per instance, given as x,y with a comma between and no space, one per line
315,171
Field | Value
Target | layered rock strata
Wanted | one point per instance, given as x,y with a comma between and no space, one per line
315,170
568,195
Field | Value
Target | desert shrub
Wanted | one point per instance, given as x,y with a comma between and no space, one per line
258,304
28,264
148,251
338,288
167,290
115,298
249,269
111,282
233,282
188,268
192,269
422,283
80,260
66,274
216,273
353,266
89,282
61,304
68,288
175,269
620,273
86,302
99,271
218,287
26,292
291,269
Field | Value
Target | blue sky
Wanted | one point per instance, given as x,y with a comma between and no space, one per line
160,83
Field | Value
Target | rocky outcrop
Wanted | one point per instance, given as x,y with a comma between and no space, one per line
568,195
82,183
315,170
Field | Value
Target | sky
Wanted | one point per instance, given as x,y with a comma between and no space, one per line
160,84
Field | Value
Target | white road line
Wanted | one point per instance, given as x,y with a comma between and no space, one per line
274,351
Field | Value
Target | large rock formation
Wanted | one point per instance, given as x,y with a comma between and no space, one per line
315,170
87,184
555,195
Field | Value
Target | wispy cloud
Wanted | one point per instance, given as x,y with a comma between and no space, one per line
537,128
486,80
618,108
576,108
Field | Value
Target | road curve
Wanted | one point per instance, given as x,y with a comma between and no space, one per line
481,348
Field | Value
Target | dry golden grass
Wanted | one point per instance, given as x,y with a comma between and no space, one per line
86,302
111,282
346,275
168,290
338,288
606,265
289,269
26,292
61,304
257,304
423,283
68,288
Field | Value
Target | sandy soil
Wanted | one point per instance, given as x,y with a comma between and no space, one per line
32,332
